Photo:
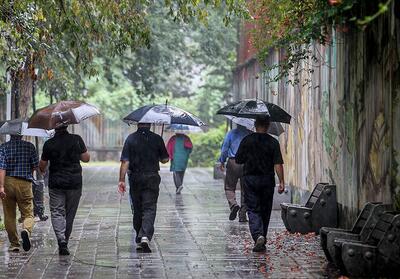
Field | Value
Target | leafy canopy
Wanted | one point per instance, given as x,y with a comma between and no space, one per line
69,34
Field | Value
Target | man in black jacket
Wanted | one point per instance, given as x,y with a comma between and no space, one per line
141,154
261,155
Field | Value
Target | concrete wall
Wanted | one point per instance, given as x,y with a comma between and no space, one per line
346,118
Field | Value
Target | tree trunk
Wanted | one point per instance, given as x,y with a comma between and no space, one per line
22,89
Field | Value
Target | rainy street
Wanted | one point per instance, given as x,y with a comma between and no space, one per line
193,238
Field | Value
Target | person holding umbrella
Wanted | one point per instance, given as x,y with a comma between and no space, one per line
179,147
64,151
261,157
18,161
140,157
141,154
234,171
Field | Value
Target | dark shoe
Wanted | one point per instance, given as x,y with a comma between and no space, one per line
243,219
26,242
139,247
40,218
14,249
179,190
43,217
260,244
145,245
235,209
63,249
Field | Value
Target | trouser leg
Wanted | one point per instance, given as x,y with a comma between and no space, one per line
38,194
9,210
231,180
178,178
267,208
57,210
24,197
149,205
243,208
135,195
71,206
252,199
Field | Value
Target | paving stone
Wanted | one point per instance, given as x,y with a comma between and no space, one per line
193,238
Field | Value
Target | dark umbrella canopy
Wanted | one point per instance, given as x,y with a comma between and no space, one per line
163,114
253,108
62,113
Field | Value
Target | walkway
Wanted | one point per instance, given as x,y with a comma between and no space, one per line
193,239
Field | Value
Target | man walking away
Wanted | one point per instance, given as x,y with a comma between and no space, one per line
64,152
261,154
141,154
234,171
179,148
18,160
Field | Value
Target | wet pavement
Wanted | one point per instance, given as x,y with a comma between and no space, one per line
193,239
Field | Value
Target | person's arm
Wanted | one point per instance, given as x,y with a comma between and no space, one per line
3,172
123,169
84,154
278,165
279,172
34,159
85,157
2,178
43,166
163,153
224,150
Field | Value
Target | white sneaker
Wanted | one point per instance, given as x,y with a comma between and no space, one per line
144,243
36,219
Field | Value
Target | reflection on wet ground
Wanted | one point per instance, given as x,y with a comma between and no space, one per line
193,239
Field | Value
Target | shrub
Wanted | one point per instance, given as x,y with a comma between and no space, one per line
206,147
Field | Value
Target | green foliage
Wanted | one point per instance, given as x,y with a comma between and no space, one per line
62,38
2,228
187,64
206,147
292,26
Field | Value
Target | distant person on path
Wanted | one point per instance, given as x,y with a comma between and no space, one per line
261,155
234,171
18,160
179,148
64,152
141,154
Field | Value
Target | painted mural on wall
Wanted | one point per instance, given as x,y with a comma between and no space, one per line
346,121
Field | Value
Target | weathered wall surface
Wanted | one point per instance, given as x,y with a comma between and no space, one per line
346,120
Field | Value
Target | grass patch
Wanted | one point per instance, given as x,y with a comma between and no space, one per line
2,228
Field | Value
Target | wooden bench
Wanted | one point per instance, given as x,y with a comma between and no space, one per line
319,211
363,226
379,255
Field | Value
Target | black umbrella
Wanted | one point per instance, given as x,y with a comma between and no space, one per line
253,108
163,114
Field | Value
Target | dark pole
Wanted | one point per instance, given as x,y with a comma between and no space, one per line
38,174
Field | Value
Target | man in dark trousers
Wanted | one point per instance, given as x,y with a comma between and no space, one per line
141,154
64,151
261,155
